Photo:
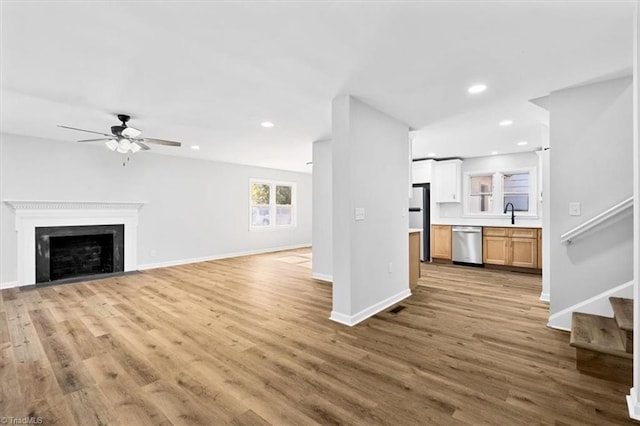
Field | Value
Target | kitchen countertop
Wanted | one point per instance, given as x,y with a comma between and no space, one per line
412,230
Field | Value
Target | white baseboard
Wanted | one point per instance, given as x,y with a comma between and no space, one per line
322,277
544,297
8,284
596,305
633,404
218,257
352,320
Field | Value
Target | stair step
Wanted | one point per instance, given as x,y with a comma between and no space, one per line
600,348
623,312
599,334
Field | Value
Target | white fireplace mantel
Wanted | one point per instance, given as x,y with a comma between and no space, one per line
30,214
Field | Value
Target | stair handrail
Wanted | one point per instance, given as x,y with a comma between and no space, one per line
606,215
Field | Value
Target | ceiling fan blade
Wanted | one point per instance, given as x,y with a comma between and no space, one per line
94,140
159,141
144,146
83,130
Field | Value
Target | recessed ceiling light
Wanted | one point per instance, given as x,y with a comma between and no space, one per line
523,143
431,154
506,123
267,124
195,147
494,152
477,88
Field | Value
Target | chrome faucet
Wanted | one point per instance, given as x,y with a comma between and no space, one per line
513,216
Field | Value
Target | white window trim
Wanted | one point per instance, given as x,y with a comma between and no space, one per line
272,205
498,192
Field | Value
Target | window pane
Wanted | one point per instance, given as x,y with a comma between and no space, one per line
283,215
480,203
481,184
516,183
260,194
260,216
520,202
283,195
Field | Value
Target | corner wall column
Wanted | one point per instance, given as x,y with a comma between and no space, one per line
633,399
370,210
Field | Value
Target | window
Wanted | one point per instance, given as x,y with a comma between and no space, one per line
487,193
272,204
481,194
516,191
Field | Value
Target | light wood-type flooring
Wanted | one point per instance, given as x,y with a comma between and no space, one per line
247,341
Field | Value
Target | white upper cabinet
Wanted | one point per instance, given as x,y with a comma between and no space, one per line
421,171
447,182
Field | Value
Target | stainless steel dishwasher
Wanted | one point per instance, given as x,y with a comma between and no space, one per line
466,244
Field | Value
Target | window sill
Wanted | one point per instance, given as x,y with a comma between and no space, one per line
272,228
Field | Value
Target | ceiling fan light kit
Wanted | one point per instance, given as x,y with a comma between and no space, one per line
112,144
124,139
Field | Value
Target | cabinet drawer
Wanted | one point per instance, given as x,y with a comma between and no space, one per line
523,233
492,231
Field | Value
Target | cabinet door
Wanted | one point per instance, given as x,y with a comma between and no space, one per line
421,171
524,252
441,241
494,250
447,181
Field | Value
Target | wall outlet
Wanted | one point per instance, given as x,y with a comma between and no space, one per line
390,267
574,209
359,213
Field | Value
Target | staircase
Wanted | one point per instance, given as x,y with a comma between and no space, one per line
604,346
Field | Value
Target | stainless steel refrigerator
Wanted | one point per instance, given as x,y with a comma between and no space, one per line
420,217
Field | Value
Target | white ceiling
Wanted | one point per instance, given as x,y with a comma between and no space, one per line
208,73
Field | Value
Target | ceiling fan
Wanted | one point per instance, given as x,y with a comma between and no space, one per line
124,139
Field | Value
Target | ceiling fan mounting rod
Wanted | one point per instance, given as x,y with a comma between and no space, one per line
124,118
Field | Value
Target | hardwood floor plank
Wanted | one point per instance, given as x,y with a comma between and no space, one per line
133,362
84,343
89,407
37,380
11,398
24,338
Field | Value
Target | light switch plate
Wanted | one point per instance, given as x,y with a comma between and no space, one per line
359,213
574,209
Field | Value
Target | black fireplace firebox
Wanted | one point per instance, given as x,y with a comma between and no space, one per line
64,252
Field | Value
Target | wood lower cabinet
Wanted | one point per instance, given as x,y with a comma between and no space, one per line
510,247
441,242
539,248
414,259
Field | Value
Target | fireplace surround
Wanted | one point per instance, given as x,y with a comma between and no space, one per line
30,215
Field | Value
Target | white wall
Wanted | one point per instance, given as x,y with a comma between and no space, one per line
370,171
453,214
322,240
196,209
591,163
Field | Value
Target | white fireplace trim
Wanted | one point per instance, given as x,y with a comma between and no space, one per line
31,214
